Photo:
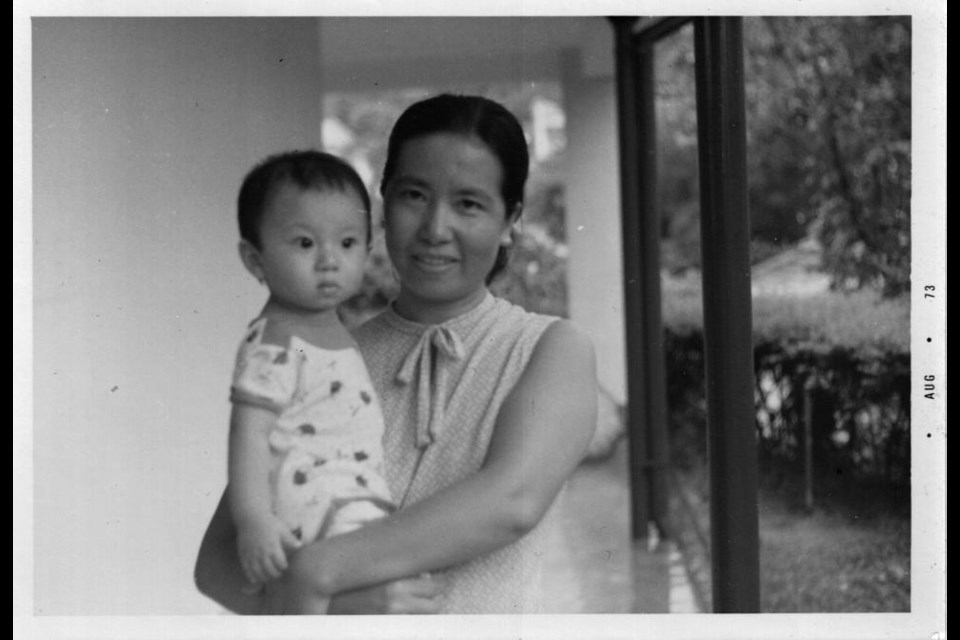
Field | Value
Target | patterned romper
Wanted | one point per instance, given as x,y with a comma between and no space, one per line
327,475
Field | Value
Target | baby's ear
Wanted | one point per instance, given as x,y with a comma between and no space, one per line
250,256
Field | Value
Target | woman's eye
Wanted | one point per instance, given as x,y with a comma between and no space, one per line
471,205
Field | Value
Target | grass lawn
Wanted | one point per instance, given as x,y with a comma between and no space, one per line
851,557
850,554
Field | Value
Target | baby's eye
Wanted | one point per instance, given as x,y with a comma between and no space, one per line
350,243
304,242
414,195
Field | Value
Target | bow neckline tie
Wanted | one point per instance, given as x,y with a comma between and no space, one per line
425,362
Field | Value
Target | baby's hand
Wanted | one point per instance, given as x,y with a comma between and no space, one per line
262,544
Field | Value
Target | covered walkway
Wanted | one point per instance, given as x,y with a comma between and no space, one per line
593,565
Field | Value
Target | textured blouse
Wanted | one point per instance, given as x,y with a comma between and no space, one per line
441,387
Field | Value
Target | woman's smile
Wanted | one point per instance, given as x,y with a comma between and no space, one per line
433,262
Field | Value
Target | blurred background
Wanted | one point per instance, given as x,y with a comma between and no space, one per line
144,127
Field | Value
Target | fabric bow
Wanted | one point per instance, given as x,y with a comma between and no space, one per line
432,378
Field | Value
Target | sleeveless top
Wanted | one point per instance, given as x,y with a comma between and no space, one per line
441,387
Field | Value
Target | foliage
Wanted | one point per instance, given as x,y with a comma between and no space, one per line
840,89
536,276
859,408
854,351
678,187
862,321
828,127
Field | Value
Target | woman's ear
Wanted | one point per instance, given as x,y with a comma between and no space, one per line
509,229
250,256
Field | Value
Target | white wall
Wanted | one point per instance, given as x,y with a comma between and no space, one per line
595,281
143,129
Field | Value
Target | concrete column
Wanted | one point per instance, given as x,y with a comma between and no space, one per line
595,288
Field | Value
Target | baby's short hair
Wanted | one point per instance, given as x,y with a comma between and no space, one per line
305,169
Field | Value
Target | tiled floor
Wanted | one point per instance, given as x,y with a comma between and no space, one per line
593,566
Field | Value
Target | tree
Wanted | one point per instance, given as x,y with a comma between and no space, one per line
830,102
828,127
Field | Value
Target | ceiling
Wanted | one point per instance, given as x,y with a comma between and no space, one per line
383,52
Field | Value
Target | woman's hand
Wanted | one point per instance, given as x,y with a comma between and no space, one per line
421,595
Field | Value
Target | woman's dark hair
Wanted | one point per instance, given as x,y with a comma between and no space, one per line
304,169
475,116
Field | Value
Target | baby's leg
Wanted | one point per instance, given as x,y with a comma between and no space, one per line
353,515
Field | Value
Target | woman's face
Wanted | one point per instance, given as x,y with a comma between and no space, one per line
445,219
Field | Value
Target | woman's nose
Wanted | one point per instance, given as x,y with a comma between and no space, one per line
436,223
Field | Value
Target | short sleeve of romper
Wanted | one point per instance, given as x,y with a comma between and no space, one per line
442,386
265,375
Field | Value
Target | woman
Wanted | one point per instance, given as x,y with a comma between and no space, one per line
489,408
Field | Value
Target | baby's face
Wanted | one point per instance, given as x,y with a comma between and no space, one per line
313,247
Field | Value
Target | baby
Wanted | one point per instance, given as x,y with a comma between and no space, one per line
305,428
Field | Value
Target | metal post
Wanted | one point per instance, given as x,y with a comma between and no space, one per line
651,308
646,378
725,233
808,444
627,96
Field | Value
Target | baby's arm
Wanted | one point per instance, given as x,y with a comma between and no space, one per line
262,539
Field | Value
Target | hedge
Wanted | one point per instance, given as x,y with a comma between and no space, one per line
839,362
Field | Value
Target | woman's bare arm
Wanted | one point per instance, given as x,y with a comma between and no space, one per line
541,434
